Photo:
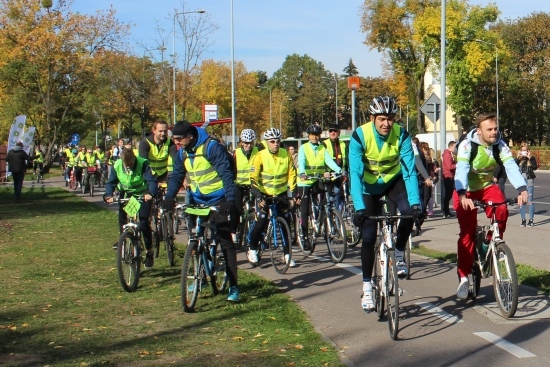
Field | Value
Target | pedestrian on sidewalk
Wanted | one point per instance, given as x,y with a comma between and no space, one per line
448,171
17,165
527,165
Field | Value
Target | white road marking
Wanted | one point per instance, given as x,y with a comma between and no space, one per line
445,316
505,345
352,269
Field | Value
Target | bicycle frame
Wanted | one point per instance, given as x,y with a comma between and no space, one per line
490,258
206,251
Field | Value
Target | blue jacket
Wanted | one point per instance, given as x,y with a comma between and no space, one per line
218,158
357,149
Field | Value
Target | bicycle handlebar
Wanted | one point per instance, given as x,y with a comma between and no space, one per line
484,204
333,176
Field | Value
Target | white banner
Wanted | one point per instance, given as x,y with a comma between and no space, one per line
28,137
17,131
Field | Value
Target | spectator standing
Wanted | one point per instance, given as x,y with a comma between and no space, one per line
17,165
293,155
527,165
448,171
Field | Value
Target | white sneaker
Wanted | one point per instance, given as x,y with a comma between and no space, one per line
234,238
253,256
462,291
367,302
401,265
292,263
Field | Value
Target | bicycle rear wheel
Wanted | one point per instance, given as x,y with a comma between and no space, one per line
219,275
278,240
246,232
392,294
168,238
353,234
505,280
128,261
336,238
300,234
191,277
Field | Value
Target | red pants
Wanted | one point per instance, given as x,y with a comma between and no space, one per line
467,220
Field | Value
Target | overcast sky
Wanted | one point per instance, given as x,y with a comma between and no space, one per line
265,32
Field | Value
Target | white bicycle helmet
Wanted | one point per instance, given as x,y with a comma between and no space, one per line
248,135
383,105
273,133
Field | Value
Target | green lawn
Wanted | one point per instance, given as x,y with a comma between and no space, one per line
62,304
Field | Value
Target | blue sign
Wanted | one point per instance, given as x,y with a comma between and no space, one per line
75,139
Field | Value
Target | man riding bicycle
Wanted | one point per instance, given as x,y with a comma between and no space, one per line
271,173
243,157
337,150
382,163
133,177
478,156
39,160
156,148
313,159
211,183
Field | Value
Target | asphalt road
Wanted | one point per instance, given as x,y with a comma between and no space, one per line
436,329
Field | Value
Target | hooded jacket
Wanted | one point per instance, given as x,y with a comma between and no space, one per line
17,158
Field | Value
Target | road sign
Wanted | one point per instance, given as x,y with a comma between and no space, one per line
353,82
431,108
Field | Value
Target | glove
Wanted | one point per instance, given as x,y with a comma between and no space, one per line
168,205
358,217
227,208
344,173
416,211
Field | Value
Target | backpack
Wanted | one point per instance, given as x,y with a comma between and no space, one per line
500,171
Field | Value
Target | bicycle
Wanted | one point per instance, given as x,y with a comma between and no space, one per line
91,174
85,177
274,237
38,172
130,249
203,259
177,216
72,179
353,233
385,281
324,218
244,224
493,256
163,230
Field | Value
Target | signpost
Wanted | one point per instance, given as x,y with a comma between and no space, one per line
353,84
431,108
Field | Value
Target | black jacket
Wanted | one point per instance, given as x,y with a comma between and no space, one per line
17,160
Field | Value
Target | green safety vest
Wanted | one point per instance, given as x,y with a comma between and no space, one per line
90,159
274,175
40,158
131,182
158,158
80,157
482,169
100,156
69,158
243,166
201,173
384,163
341,156
315,164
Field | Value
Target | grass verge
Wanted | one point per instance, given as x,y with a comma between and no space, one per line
62,304
527,275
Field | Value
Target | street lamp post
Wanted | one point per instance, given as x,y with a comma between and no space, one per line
496,73
270,105
200,11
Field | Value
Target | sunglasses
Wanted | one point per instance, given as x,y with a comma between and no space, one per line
178,138
333,131
274,141
247,142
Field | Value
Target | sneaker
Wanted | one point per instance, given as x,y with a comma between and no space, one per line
149,260
292,263
530,223
233,294
305,243
462,291
523,223
401,265
253,256
430,215
367,303
234,238
449,216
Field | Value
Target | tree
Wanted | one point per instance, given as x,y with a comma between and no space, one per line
350,69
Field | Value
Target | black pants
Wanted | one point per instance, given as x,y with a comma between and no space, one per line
240,193
305,192
396,193
144,222
18,183
449,187
262,221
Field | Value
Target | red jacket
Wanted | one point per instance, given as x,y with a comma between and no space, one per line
449,164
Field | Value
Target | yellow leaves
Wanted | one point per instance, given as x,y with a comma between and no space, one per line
323,349
258,335
299,347
237,338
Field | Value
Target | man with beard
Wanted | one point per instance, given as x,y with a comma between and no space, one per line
156,148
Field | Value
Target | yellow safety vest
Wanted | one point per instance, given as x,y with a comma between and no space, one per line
341,156
274,175
100,156
315,164
243,166
90,159
384,163
170,167
158,158
80,157
69,158
201,173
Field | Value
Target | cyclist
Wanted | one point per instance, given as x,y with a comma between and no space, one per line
337,150
133,177
79,164
100,155
243,157
271,172
313,158
382,163
91,161
39,160
70,161
477,158
156,148
211,182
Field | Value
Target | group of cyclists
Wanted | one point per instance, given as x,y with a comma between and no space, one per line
76,159
379,163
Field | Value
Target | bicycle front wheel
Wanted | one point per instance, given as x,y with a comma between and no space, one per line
191,277
336,237
392,294
279,239
92,184
408,257
219,278
353,234
176,221
301,235
128,261
168,238
377,284
505,280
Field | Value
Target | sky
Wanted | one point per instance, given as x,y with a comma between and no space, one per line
266,32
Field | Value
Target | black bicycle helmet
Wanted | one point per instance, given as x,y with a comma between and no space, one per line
314,129
383,105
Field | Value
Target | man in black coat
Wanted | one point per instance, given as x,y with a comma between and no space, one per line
17,165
